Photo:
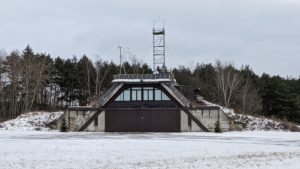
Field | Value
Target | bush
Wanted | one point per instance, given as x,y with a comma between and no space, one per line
63,127
217,127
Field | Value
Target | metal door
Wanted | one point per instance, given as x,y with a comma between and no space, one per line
142,121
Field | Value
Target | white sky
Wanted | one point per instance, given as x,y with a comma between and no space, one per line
264,34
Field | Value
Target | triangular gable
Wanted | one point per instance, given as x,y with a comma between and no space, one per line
170,88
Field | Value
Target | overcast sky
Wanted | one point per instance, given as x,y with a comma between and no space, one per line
264,34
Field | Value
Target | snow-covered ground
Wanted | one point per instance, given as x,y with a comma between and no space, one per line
251,122
24,143
258,150
31,121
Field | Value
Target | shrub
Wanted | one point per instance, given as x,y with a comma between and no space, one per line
217,127
63,127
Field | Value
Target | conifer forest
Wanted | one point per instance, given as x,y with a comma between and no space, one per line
37,81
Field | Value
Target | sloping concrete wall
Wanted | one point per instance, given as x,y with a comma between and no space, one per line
76,119
208,118
184,127
101,124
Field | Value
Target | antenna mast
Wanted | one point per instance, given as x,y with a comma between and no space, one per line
159,51
120,50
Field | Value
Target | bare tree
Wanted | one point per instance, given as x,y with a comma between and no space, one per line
13,69
136,65
39,77
250,101
98,65
88,74
85,78
2,69
2,79
99,78
227,81
33,75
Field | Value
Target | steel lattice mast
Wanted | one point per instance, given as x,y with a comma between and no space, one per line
159,45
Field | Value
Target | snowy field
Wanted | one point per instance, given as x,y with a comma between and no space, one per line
44,150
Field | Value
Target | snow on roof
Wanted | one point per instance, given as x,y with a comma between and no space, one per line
140,80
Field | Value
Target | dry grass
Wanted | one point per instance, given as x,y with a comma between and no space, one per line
294,128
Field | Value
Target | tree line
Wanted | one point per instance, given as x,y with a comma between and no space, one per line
35,81
243,90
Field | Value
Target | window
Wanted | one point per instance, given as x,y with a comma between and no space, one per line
164,96
136,94
151,97
127,95
120,97
160,95
139,95
157,94
145,93
133,94
148,93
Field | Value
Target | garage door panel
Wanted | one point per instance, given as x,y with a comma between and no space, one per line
142,121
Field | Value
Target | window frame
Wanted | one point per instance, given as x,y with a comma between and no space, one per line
142,94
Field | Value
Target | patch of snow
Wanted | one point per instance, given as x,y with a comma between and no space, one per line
238,150
32,121
252,123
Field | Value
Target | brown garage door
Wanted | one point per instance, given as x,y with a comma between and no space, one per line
142,121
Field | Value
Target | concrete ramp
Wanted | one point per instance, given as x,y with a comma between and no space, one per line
109,94
176,94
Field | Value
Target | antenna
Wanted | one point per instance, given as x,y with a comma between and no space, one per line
120,50
159,51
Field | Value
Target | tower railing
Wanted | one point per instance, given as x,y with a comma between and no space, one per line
142,76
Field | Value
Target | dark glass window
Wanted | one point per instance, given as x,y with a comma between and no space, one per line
136,94
127,95
139,95
145,93
164,96
133,94
157,94
148,93
151,97
120,97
